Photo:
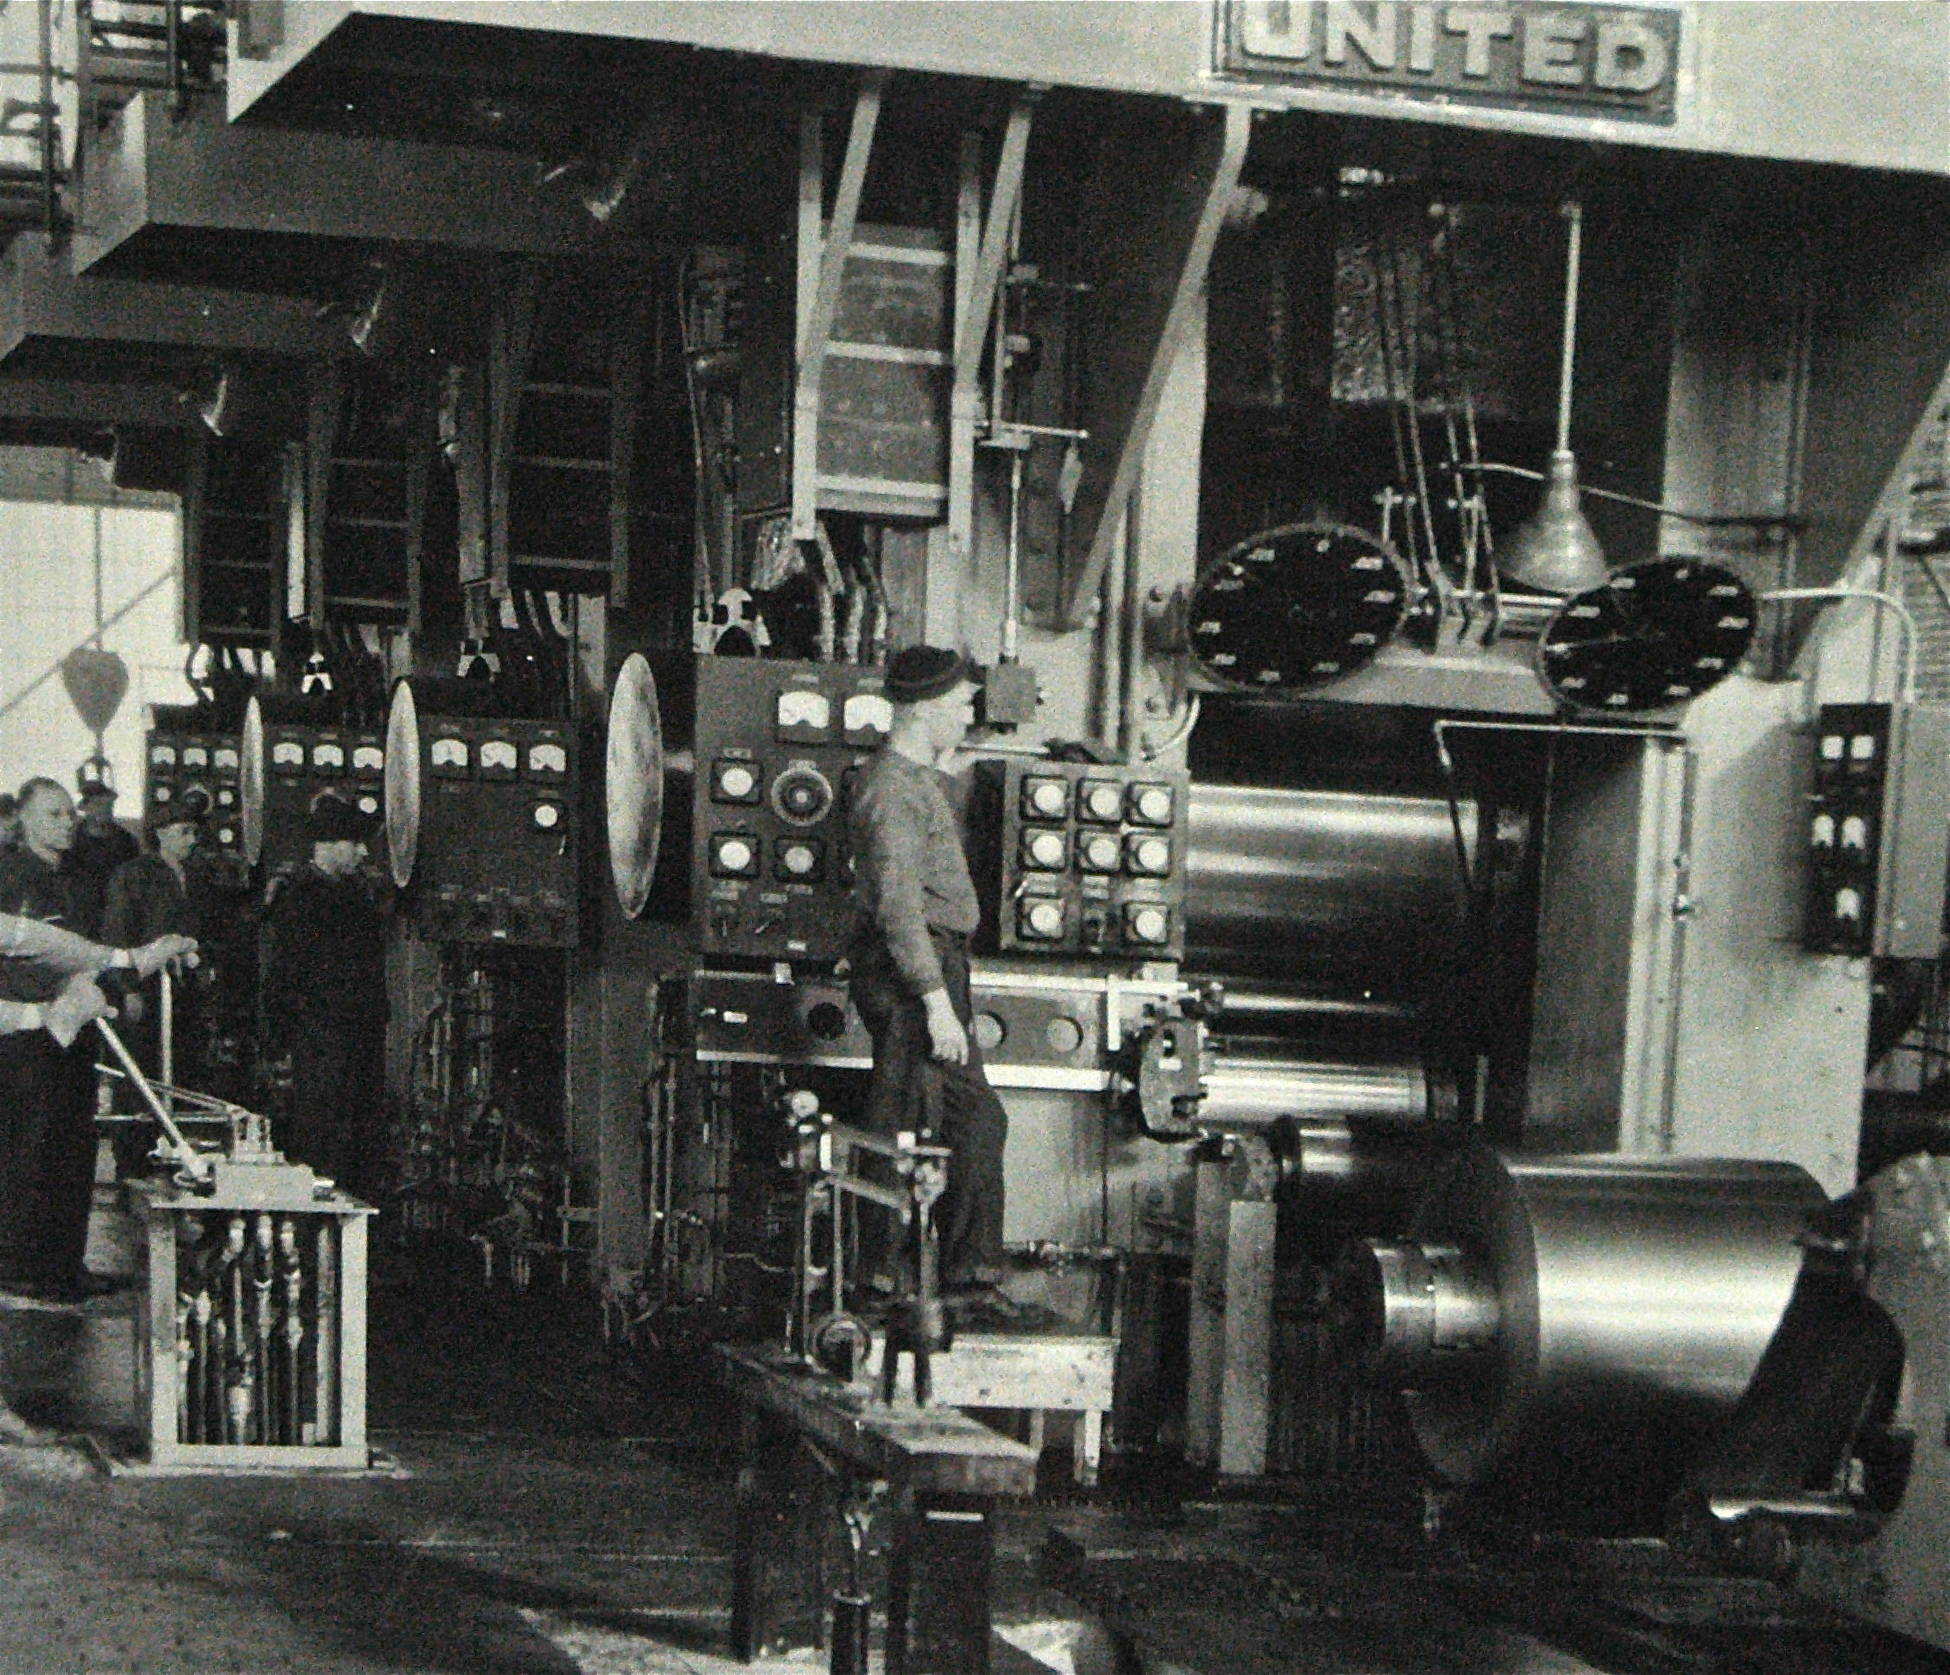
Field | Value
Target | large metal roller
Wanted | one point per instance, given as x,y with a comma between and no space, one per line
1357,890
1556,1323
1248,1085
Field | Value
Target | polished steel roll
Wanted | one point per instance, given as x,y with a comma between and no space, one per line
1252,1086
1355,892
1553,1320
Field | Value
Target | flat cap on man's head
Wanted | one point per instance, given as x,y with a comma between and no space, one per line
334,820
921,672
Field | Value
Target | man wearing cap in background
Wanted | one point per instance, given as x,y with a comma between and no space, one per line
155,895
324,977
101,845
917,909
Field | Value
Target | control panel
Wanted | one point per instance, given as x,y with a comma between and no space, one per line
200,771
1080,858
776,747
497,844
302,763
1878,831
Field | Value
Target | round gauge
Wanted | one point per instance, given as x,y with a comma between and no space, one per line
1651,636
403,782
287,754
735,855
798,860
802,795
1296,606
633,783
548,816
737,781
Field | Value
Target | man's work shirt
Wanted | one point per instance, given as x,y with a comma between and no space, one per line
910,874
31,889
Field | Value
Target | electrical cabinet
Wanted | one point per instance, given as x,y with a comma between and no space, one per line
1080,858
188,764
776,748
1878,834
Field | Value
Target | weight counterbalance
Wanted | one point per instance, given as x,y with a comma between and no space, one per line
251,1352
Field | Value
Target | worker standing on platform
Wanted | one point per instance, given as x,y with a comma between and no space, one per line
324,982
917,909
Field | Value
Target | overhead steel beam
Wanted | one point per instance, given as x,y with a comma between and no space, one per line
42,301
1157,200
143,403
153,183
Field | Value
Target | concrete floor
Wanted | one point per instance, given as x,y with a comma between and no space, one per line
543,1506
547,1507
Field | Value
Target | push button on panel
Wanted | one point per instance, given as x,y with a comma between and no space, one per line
734,855
1044,798
1044,850
734,782
800,859
1100,852
1151,805
1148,857
1101,800
1039,920
1146,924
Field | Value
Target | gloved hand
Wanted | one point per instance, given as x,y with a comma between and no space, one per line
75,1008
151,957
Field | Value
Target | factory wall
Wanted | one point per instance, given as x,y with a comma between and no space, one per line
48,606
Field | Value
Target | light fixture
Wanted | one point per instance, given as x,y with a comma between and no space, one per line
1555,550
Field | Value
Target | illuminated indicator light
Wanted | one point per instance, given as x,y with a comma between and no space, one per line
798,859
368,758
737,780
547,816
287,753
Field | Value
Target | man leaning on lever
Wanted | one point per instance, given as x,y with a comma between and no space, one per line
32,1248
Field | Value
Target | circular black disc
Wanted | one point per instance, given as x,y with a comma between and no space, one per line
1296,606
1653,635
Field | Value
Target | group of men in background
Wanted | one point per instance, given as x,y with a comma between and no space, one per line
78,871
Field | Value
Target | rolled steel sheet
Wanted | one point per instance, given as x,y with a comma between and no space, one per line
1631,1300
1250,1089
1352,892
